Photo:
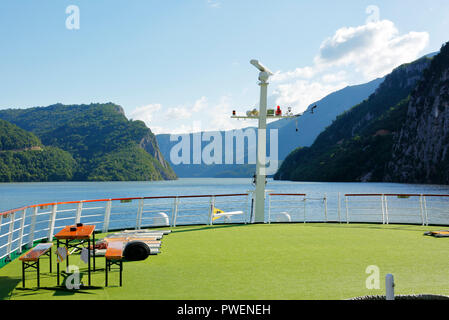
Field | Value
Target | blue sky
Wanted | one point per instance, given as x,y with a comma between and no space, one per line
184,65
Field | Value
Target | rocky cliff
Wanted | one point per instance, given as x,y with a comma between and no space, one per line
420,149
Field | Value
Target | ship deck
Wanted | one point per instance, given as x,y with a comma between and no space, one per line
261,261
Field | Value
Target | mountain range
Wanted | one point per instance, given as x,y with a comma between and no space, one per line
309,127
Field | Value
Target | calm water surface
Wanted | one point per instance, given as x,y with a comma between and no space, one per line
13,195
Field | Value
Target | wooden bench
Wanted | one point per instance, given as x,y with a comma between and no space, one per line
114,256
32,257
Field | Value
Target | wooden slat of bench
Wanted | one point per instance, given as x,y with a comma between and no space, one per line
145,239
127,239
35,253
115,250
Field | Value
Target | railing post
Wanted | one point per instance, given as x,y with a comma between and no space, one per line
175,211
51,228
246,206
139,214
421,209
383,208
347,209
325,207
11,231
79,210
339,207
425,210
211,209
305,199
107,216
32,228
386,210
269,208
22,226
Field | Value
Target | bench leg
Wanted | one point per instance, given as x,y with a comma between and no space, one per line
121,270
50,260
106,272
88,260
38,278
108,268
23,273
93,247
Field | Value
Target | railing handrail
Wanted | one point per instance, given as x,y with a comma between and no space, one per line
395,194
119,199
287,194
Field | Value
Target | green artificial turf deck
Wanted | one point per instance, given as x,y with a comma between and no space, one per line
277,261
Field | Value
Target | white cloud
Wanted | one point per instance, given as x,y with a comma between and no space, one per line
374,49
200,104
363,53
202,115
177,113
301,93
214,3
306,72
145,113
339,76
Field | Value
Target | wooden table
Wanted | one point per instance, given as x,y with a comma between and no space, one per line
75,239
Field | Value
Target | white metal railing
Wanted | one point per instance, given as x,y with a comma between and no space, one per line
21,227
421,209
296,207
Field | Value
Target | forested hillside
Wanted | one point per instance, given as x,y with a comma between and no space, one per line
358,145
23,158
104,143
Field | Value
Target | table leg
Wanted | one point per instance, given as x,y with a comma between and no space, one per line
57,263
93,246
88,259
50,260
67,246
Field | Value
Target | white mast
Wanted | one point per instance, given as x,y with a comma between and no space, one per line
264,74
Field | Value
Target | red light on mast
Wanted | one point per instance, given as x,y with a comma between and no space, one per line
278,111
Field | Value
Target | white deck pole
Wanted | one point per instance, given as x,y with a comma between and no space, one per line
389,286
